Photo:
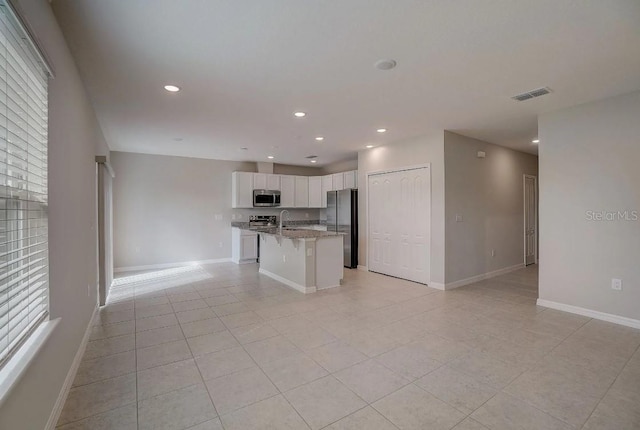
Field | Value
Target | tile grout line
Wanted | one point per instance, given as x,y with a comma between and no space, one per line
610,386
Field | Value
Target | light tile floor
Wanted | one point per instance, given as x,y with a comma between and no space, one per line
222,347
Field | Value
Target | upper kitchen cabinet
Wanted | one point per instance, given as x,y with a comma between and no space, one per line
327,185
350,179
265,181
315,192
301,199
287,191
242,190
338,182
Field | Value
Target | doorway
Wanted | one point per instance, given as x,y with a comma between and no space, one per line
399,220
530,220
105,228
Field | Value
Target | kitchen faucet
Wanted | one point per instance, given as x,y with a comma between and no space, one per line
282,214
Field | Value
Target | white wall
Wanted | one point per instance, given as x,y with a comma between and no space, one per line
74,140
589,158
412,152
488,194
165,208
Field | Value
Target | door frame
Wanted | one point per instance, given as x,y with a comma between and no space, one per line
524,216
366,220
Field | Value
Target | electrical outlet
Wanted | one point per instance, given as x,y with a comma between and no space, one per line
309,252
233,216
493,252
88,290
458,218
284,258
616,284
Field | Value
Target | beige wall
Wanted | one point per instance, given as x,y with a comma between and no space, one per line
488,194
589,158
412,152
165,208
340,166
285,169
74,140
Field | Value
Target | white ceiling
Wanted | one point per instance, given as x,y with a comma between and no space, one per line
246,66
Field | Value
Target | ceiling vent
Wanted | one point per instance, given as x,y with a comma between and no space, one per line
532,94
311,157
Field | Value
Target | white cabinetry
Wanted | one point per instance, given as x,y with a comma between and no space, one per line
338,182
265,181
242,190
244,246
287,191
350,179
273,182
301,199
327,185
315,192
296,191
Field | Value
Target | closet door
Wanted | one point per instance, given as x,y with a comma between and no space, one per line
399,224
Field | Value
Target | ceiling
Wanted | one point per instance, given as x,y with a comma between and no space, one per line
245,66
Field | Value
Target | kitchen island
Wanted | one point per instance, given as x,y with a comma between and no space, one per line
303,259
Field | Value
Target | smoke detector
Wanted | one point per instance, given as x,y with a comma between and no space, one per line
532,94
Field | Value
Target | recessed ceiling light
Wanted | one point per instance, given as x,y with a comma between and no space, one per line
299,114
172,88
535,141
270,157
381,130
314,161
369,146
386,64
319,138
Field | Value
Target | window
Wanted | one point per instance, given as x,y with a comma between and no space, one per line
24,260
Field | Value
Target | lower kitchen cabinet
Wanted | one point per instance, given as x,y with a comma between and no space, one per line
244,246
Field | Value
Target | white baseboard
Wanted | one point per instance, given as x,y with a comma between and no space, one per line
629,322
436,285
71,375
482,277
363,268
169,265
287,282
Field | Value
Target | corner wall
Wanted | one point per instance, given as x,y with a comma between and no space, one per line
589,158
412,152
75,139
488,194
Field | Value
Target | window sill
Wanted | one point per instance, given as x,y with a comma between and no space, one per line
17,365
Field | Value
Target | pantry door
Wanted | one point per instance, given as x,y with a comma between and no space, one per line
399,220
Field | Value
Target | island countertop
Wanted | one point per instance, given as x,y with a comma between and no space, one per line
288,232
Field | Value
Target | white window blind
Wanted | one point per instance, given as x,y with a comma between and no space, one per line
24,260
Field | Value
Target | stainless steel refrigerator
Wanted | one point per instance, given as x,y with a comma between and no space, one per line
342,216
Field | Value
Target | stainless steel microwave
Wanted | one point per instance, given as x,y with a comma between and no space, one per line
266,198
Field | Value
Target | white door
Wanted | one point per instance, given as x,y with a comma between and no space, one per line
530,219
399,224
